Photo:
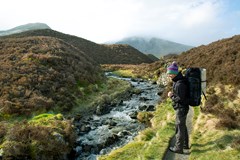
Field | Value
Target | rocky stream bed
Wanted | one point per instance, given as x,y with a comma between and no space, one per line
105,131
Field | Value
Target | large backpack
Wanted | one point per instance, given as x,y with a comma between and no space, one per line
194,80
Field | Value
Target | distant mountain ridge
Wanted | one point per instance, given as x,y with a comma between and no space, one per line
157,47
25,27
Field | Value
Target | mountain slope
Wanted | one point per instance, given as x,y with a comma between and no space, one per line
39,73
155,46
128,55
23,28
220,58
152,57
103,54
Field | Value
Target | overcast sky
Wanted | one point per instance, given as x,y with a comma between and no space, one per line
191,22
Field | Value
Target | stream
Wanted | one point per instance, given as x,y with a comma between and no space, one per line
100,134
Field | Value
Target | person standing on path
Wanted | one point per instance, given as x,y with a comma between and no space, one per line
181,107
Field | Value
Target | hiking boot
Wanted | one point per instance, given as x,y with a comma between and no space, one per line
175,150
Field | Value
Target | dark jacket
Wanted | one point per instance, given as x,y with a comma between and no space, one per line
179,96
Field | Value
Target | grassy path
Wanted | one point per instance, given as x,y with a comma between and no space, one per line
174,156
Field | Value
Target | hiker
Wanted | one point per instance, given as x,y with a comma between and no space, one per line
181,107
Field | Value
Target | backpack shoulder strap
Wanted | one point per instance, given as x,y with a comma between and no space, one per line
204,95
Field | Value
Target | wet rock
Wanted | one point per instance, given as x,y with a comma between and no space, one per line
120,102
85,128
95,149
78,150
112,139
153,82
105,151
137,91
110,122
143,107
133,115
124,133
103,109
131,127
150,108
160,92
78,117
134,80
144,99
86,148
92,157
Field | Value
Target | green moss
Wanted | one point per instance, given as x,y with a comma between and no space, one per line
4,116
45,119
44,115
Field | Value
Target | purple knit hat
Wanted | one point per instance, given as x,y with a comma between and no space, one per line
173,68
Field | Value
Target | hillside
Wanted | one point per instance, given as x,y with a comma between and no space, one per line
157,47
23,28
220,58
128,55
39,73
102,54
152,57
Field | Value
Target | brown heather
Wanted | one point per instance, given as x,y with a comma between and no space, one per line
102,54
26,140
38,73
220,58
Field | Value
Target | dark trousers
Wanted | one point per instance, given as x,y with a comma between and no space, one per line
181,128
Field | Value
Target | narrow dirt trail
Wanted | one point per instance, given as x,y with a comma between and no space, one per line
175,156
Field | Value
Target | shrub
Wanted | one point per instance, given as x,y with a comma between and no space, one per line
145,117
46,136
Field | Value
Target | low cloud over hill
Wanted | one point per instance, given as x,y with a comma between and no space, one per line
157,47
25,27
